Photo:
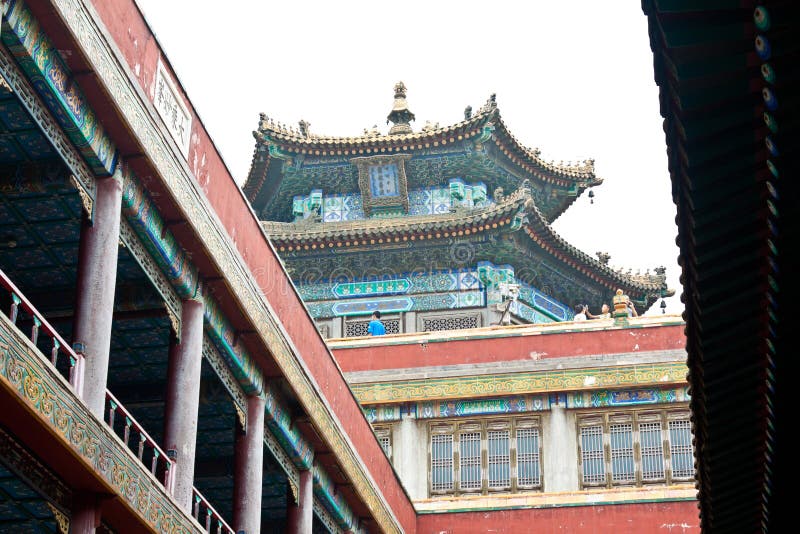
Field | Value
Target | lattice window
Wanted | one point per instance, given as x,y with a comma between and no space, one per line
470,462
441,462
592,458
635,447
499,459
384,435
449,322
652,451
485,456
680,449
622,468
324,330
528,468
359,328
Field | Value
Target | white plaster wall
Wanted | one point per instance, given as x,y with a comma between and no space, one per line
560,450
410,456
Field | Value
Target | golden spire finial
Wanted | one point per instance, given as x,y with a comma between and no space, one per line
400,114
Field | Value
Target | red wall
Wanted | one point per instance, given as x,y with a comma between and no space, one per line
126,26
513,348
661,518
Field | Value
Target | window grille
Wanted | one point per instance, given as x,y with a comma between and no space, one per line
359,328
680,449
450,322
528,469
481,456
592,460
652,451
323,330
441,462
384,435
499,459
635,447
622,469
470,464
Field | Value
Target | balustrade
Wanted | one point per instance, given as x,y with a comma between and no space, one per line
74,360
206,515
139,442
119,419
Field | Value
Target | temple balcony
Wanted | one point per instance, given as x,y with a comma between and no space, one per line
115,456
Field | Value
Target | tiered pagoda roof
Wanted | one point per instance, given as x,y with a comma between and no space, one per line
492,154
512,228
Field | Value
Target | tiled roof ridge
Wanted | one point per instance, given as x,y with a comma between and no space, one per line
278,131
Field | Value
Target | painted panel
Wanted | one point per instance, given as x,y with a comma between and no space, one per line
518,383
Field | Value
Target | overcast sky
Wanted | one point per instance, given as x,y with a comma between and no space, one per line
573,78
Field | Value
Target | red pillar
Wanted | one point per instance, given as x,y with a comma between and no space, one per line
85,513
183,396
249,460
97,274
300,516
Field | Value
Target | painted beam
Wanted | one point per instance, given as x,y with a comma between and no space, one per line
39,59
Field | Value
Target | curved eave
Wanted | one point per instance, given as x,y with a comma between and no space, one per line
376,233
258,171
644,288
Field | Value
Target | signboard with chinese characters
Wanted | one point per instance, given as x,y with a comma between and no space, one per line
173,111
383,184
383,180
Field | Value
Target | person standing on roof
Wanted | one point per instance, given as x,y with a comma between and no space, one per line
376,327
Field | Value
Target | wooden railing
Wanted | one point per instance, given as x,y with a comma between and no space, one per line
140,443
206,515
74,362
119,419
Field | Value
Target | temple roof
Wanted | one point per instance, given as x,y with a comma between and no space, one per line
515,215
495,157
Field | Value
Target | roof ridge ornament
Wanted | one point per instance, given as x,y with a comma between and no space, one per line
400,115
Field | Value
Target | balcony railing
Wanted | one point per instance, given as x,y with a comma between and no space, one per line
140,443
119,419
206,515
74,361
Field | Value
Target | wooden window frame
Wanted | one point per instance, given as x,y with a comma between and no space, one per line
483,426
637,418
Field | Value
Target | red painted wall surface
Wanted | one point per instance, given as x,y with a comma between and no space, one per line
656,518
126,26
512,348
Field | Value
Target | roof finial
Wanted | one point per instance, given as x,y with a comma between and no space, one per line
467,113
400,115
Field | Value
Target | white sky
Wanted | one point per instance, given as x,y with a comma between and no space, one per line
573,78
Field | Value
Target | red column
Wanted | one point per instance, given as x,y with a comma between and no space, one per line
85,513
183,396
300,516
97,274
249,460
